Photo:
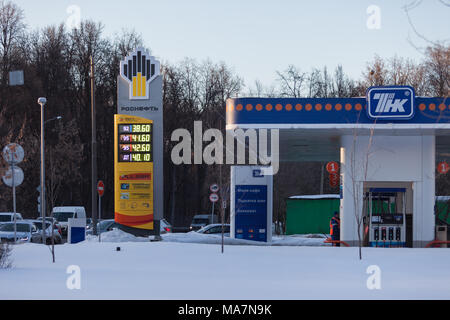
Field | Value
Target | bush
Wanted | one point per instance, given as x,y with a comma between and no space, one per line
5,253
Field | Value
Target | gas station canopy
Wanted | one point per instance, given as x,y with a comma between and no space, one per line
310,128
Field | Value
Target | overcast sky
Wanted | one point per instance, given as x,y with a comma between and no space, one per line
258,37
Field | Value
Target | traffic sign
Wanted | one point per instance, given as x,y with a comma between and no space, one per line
13,153
214,187
443,167
16,78
18,177
100,188
213,197
332,167
334,180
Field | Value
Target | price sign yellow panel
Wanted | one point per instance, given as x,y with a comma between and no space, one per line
133,171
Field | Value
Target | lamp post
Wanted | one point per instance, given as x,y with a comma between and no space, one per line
42,101
93,152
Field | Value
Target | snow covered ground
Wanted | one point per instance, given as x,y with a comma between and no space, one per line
177,268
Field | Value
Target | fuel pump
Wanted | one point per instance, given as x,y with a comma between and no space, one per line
387,217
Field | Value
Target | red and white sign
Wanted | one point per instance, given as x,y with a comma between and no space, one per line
13,153
100,188
332,167
443,167
334,180
214,187
213,197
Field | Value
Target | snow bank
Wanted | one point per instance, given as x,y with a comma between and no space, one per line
117,236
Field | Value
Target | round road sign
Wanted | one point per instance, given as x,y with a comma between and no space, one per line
100,188
8,177
332,167
213,197
13,153
214,187
443,167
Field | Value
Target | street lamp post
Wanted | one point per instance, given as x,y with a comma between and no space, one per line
42,101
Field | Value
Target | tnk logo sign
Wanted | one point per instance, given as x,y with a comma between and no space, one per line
390,103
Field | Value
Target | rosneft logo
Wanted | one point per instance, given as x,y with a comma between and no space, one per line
139,69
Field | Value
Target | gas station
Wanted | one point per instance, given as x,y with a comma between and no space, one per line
387,145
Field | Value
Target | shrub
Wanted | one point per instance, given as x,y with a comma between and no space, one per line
5,256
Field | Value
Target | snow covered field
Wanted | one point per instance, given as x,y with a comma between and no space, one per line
176,269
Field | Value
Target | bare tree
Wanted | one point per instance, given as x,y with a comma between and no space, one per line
437,65
358,173
291,82
5,254
12,28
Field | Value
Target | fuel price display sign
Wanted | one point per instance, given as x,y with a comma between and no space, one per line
135,142
133,171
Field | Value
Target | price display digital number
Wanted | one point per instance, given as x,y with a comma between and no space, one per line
135,143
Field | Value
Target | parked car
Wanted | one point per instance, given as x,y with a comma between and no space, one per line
215,228
89,223
25,232
201,220
9,217
63,214
165,227
110,224
57,232
55,222
104,226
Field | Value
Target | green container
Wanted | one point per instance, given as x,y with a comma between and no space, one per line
310,214
442,209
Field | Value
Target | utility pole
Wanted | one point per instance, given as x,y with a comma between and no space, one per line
42,101
93,153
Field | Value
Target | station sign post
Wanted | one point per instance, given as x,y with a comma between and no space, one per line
251,203
139,107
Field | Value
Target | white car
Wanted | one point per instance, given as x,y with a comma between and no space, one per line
63,214
25,232
215,228
9,217
57,233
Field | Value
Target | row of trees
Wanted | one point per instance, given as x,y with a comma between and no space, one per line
56,64
429,77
